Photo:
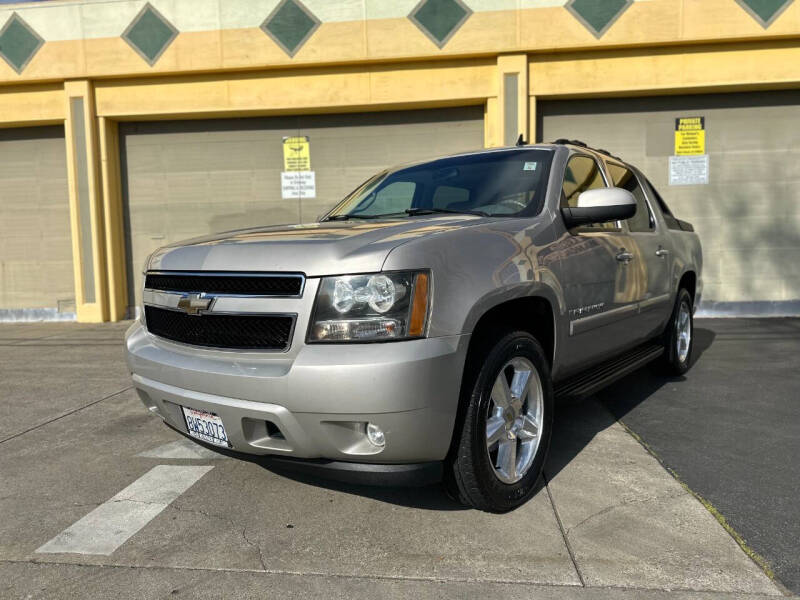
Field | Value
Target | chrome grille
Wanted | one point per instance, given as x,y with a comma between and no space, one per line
226,310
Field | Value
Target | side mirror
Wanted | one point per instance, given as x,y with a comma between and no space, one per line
600,206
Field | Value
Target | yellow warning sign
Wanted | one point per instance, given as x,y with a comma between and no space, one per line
690,136
296,153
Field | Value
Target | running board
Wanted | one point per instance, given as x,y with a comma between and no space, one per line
598,377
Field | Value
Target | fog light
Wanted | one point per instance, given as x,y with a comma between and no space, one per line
375,435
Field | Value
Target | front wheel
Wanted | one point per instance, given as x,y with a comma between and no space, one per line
679,336
506,431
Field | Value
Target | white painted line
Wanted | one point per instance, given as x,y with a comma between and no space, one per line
182,449
115,521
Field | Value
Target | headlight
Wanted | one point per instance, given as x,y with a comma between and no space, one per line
373,307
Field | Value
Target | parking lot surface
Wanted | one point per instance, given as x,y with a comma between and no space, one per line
731,429
97,495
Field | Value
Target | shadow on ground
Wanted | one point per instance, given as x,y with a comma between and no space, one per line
576,423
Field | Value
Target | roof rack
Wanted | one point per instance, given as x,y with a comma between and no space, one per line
585,145
571,142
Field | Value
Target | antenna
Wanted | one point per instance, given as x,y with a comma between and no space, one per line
521,140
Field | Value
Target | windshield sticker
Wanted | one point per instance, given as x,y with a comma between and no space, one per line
530,166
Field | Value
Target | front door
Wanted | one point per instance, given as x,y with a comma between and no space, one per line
598,276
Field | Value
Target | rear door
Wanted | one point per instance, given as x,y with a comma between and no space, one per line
596,264
650,270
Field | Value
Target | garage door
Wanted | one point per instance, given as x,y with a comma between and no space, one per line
187,178
35,244
748,216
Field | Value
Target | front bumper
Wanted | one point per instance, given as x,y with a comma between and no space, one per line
314,402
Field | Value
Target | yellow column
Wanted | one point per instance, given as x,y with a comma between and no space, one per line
512,71
492,123
114,231
85,200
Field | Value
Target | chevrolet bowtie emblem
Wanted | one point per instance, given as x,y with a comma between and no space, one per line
194,304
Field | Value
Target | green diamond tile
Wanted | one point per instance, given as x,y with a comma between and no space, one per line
765,11
18,42
290,25
150,34
598,15
440,19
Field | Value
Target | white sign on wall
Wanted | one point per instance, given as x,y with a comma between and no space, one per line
298,184
688,170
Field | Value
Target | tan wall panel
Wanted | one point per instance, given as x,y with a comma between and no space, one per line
616,72
748,217
23,105
54,60
446,82
35,243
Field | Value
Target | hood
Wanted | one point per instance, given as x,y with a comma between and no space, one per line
316,249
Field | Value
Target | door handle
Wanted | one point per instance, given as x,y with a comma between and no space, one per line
661,252
624,256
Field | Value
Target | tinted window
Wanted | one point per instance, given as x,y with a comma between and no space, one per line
506,183
582,174
625,179
671,221
447,196
394,197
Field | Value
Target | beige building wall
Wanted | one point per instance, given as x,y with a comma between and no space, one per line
222,59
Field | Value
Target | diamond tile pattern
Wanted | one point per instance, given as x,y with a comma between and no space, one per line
765,11
598,15
150,34
440,19
290,25
18,43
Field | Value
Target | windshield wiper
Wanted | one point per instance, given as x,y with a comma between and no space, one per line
346,217
430,211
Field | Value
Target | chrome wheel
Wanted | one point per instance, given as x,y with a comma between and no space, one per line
683,332
514,420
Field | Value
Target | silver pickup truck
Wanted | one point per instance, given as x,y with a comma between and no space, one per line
424,327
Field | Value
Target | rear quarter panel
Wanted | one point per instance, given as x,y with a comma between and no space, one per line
688,256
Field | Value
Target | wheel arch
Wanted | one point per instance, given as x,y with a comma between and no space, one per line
533,314
689,281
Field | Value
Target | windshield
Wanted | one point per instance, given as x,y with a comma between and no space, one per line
508,183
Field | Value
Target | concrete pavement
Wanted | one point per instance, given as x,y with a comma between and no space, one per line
731,429
611,522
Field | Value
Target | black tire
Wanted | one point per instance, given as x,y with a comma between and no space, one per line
673,362
471,475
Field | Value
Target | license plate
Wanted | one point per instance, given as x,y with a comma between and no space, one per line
206,426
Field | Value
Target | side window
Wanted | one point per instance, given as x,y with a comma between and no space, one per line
394,198
643,220
671,221
582,173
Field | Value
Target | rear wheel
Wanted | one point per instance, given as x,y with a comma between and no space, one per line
506,431
679,336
